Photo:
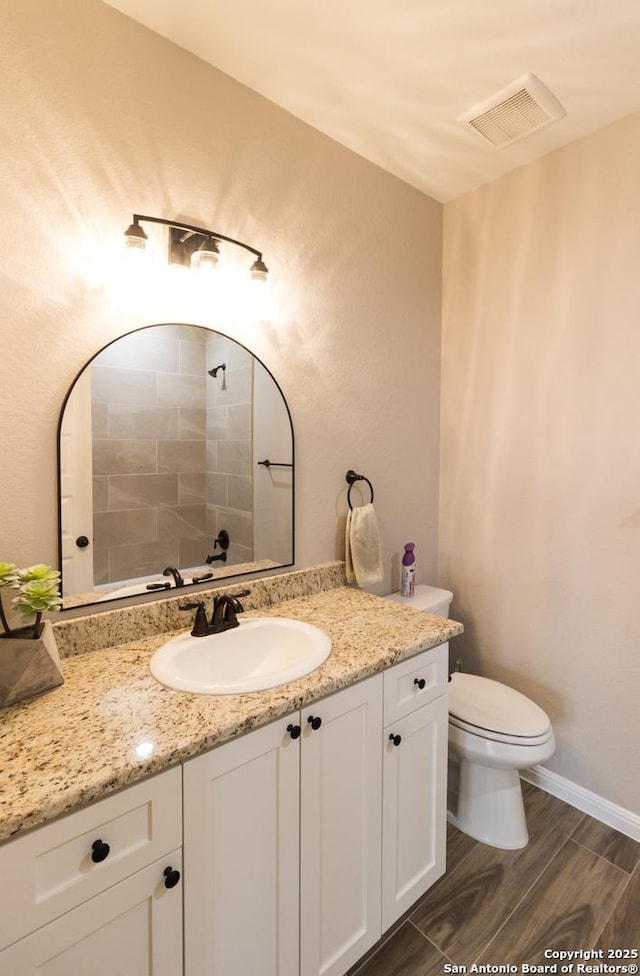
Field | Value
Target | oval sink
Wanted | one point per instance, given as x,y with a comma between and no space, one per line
263,652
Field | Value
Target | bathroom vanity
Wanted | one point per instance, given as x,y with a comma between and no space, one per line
308,817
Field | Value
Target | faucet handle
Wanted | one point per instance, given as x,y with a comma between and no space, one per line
200,625
202,579
237,606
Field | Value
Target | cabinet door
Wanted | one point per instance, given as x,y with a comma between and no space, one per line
241,825
414,807
135,927
340,829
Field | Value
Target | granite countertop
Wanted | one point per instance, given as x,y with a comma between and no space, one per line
111,724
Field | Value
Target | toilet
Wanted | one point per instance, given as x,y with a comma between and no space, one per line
494,732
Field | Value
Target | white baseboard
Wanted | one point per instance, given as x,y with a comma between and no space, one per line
577,796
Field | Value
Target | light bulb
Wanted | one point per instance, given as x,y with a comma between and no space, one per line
206,257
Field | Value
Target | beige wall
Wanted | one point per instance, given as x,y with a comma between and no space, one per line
101,118
540,487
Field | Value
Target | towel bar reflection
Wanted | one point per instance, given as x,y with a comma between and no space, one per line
275,464
351,478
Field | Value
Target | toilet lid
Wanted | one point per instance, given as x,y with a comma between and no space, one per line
495,707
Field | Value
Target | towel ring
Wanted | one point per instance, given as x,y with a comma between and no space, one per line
351,478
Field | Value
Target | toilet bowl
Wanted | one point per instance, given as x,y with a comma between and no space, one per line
494,732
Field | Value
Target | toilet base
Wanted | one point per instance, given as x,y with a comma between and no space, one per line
489,806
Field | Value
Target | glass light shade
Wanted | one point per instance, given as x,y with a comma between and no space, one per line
206,257
259,270
135,238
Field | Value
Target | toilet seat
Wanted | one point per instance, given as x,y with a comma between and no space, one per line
494,711
489,734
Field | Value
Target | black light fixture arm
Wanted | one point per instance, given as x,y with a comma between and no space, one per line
192,229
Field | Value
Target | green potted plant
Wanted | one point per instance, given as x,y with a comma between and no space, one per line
38,588
29,660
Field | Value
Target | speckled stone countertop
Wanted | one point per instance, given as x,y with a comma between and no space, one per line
111,724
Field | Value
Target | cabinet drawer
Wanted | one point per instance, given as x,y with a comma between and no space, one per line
52,868
133,929
415,682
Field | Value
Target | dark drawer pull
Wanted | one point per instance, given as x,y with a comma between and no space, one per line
315,722
99,851
293,730
420,682
396,739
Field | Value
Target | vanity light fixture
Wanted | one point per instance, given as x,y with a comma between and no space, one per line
194,247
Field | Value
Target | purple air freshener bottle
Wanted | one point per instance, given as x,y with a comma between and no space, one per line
408,576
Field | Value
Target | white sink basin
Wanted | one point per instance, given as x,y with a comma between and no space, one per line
263,652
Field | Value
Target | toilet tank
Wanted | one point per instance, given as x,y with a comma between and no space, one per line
429,599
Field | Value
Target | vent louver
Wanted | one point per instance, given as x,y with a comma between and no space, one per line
514,112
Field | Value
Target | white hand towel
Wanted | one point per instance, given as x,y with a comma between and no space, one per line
363,552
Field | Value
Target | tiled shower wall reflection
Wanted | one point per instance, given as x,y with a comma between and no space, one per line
151,444
229,447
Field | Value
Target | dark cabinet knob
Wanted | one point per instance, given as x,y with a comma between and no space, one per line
314,721
82,542
99,851
396,739
293,730
420,682
171,877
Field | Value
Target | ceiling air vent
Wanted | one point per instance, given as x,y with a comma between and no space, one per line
514,112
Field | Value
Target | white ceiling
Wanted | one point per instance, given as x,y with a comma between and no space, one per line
388,78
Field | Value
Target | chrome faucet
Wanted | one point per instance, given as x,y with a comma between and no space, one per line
172,571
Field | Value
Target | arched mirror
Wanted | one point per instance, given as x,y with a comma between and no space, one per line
175,451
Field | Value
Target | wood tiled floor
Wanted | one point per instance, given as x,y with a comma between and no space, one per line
575,886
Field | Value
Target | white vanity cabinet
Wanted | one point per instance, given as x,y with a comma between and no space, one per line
303,841
415,780
282,827
98,892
